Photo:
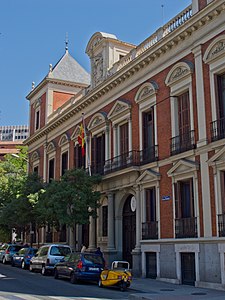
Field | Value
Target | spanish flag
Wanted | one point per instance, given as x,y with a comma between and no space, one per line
81,139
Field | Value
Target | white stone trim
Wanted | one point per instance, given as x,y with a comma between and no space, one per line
150,248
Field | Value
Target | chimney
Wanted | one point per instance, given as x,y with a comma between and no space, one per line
198,5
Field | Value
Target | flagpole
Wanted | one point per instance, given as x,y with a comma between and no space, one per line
87,150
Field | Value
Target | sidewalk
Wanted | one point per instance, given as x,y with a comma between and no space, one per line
150,289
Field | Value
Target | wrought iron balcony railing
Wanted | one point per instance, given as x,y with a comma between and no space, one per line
125,160
182,143
150,230
186,228
221,224
218,130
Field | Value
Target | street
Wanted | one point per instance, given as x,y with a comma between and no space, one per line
16,284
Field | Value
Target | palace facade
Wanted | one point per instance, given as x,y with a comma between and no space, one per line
155,124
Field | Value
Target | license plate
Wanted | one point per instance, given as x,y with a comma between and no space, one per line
93,269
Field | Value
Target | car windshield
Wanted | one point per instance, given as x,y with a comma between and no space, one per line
14,248
93,259
60,251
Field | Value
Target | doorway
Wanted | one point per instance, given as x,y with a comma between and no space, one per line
151,267
188,268
129,230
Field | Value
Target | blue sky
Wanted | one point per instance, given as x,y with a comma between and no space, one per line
33,36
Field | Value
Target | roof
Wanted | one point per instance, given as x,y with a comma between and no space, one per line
68,69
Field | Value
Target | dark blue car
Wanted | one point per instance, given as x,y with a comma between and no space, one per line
80,266
23,257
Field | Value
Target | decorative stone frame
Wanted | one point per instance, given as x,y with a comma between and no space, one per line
119,115
98,124
179,79
182,248
64,145
35,159
214,56
146,98
217,162
149,179
181,170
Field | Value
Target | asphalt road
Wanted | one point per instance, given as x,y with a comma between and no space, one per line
16,284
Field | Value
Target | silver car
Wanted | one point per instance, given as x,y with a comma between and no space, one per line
7,251
47,256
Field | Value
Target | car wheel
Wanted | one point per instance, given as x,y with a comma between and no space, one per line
23,265
43,271
56,274
31,268
123,286
100,283
73,278
4,260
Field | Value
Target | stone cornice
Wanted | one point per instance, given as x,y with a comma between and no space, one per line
48,80
164,45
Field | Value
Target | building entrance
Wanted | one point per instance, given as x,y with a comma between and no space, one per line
129,230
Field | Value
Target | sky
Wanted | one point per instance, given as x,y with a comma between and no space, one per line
33,34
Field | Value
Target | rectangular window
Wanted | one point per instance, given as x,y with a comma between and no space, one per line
51,169
184,114
64,166
148,129
79,160
104,220
98,153
37,119
184,199
223,191
35,169
124,139
150,205
221,96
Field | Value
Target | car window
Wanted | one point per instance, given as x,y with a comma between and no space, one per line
14,248
60,251
74,257
33,251
43,251
22,251
93,259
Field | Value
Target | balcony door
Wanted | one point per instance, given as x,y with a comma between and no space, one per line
148,135
98,153
221,96
184,206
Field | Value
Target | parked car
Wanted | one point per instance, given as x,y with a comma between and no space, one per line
23,257
7,251
47,256
80,266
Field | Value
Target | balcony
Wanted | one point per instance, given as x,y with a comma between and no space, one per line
150,230
186,228
148,155
182,143
221,225
218,130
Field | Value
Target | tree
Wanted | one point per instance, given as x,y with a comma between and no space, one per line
70,201
17,190
12,174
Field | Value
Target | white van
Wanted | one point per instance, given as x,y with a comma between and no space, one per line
47,256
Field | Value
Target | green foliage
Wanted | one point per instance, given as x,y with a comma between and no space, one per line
16,190
71,200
